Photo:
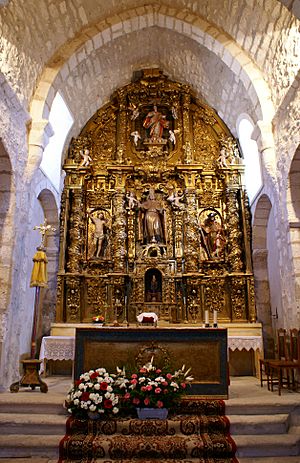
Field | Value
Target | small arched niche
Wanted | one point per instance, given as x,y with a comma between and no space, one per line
153,285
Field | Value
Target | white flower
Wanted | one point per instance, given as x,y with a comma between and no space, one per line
76,402
90,384
174,385
107,395
91,372
109,389
101,410
81,386
97,386
86,377
142,379
101,371
115,410
93,408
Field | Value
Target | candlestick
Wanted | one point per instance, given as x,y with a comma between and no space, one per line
206,318
215,318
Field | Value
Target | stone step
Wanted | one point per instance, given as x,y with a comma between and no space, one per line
27,446
259,460
260,409
259,424
267,445
32,424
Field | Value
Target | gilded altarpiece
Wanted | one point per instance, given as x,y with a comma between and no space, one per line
154,217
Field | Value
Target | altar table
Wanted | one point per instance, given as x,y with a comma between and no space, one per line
63,348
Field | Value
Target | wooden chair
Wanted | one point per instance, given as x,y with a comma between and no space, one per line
282,354
284,371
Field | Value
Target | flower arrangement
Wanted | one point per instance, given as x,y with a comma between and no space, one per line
152,387
98,319
96,391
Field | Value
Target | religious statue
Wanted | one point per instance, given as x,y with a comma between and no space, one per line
100,233
152,219
132,201
136,137
172,136
156,122
222,159
212,236
135,112
175,199
86,158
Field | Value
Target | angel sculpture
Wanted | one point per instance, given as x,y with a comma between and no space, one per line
132,201
135,112
86,158
172,136
222,159
136,137
175,198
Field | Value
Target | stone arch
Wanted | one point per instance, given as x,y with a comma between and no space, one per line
293,206
198,30
7,207
260,268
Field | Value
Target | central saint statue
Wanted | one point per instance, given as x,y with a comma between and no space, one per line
151,220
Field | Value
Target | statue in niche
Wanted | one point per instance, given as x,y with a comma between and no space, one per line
100,234
156,122
153,286
151,220
212,237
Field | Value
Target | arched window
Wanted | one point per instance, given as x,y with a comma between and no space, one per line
253,177
61,121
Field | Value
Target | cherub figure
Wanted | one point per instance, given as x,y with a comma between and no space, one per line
86,158
135,112
172,136
174,112
175,198
222,159
136,137
132,201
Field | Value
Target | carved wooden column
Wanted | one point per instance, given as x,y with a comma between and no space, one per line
119,232
191,233
131,235
234,233
178,225
121,142
187,145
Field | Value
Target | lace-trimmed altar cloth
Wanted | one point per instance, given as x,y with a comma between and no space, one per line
245,342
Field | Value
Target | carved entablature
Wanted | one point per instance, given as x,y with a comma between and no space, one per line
153,206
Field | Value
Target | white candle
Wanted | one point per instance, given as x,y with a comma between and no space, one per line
206,317
215,317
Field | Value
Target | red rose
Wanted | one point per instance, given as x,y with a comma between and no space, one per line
94,375
134,375
183,385
146,401
159,404
158,371
103,386
77,382
107,403
136,401
85,396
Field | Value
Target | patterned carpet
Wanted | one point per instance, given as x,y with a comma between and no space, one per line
198,432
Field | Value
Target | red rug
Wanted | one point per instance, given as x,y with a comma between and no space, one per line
198,432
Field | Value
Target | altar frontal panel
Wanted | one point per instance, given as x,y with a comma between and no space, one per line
202,350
